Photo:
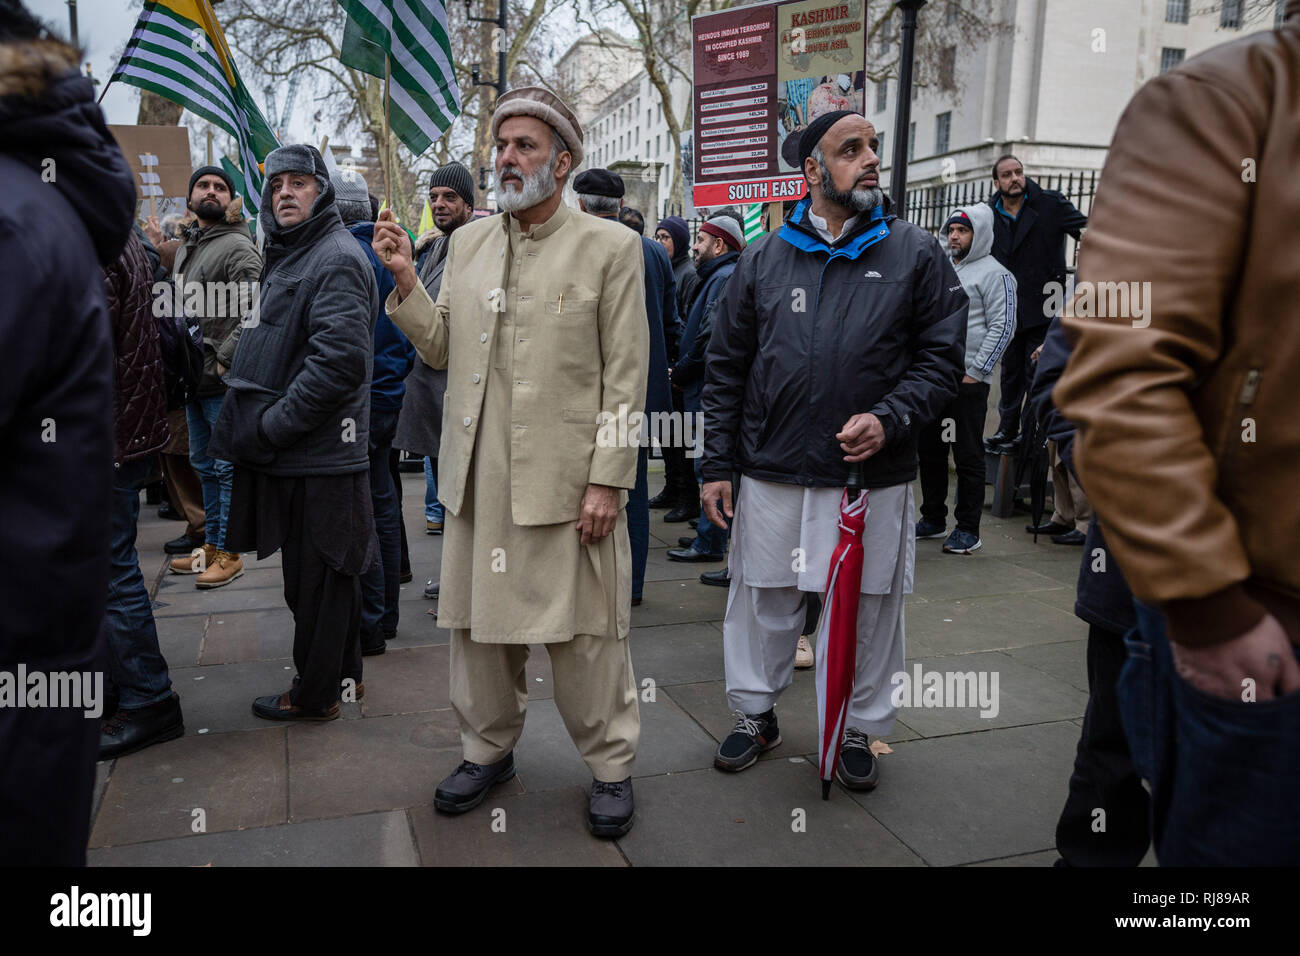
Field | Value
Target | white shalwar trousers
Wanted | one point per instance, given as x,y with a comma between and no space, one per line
781,545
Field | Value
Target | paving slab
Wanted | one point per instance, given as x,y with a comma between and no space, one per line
709,818
406,680
376,763
964,625
680,602
548,759
238,780
1045,858
1025,695
240,635
1061,563
706,702
1066,661
371,839
182,597
530,829
218,698
677,654
946,577
976,797
180,638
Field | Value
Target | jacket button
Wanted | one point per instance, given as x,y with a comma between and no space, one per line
467,423
483,337
476,378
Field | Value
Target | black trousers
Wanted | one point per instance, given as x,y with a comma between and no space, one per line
679,474
1017,373
326,606
394,459
963,420
1103,778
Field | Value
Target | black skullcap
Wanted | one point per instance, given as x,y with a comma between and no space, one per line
598,182
814,131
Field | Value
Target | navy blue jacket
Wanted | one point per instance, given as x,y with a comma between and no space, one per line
661,311
394,354
1103,597
807,335
688,373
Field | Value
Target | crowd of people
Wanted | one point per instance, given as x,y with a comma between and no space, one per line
494,347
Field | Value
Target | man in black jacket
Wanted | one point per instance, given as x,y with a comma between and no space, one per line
65,212
1029,229
837,339
295,423
1104,777
680,488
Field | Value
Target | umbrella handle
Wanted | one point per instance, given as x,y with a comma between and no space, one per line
855,479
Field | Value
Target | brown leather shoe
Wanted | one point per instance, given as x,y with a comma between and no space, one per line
222,569
191,563
278,707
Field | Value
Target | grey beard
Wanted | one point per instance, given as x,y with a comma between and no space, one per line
957,255
537,188
854,200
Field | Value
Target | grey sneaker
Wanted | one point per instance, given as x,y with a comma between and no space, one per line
857,768
470,782
609,814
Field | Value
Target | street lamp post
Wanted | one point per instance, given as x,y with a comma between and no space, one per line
903,116
499,42
72,23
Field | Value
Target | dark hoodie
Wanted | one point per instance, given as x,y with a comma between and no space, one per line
65,212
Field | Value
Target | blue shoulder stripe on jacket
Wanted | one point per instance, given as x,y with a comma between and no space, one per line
877,230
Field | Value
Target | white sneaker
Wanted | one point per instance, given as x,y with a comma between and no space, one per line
803,655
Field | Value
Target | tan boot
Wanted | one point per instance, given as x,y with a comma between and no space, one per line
223,569
803,655
196,562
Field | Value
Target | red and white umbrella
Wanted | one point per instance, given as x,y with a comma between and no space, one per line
837,631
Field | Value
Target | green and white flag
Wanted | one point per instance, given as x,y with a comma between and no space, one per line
425,96
753,222
178,51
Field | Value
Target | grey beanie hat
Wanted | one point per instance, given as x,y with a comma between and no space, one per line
296,159
351,195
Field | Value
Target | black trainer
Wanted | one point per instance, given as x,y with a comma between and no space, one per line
858,768
752,735
610,810
470,782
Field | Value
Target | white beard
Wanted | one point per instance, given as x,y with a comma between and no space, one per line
537,188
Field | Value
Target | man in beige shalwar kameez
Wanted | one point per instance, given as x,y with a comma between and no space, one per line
540,323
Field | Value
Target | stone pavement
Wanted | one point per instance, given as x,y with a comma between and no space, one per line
957,789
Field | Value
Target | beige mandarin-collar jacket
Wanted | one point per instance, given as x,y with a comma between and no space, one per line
573,293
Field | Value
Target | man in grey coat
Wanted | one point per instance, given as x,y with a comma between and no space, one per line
990,327
295,423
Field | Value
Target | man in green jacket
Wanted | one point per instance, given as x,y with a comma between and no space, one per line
216,273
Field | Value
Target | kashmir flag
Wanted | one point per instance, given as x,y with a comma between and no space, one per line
426,218
753,222
178,51
425,97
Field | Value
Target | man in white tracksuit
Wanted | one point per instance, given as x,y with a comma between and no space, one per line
990,325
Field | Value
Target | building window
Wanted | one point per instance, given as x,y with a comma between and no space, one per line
880,147
942,132
1280,17
882,39
1175,11
952,14
948,68
882,96
647,117
1170,57
911,142
1230,15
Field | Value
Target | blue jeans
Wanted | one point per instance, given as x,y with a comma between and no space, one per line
638,521
709,538
1224,774
215,475
433,510
381,585
137,672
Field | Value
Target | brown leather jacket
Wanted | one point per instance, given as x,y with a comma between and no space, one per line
1189,426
